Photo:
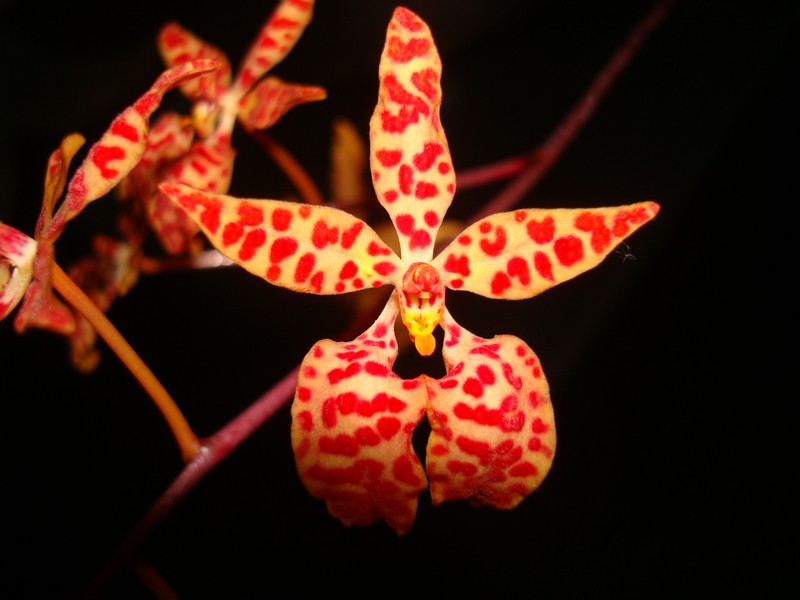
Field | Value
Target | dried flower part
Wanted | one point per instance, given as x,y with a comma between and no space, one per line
519,254
493,433
271,98
352,426
275,40
17,252
411,166
177,46
109,273
312,249
349,158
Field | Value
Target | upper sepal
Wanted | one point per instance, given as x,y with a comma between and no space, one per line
304,248
519,254
412,171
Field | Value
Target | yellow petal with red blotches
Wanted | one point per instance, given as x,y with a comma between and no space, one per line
178,45
206,166
275,40
121,146
352,425
412,171
519,254
271,98
170,136
304,248
17,252
493,431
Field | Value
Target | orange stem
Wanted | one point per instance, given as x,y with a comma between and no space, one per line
69,290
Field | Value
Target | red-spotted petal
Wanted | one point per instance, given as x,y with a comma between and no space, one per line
178,45
492,427
305,248
519,254
120,148
271,98
276,38
352,426
206,166
410,161
17,252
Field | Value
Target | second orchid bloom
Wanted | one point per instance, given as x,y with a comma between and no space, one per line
492,438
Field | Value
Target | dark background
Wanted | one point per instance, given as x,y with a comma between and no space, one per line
669,373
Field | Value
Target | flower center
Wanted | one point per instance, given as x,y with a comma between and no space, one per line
421,295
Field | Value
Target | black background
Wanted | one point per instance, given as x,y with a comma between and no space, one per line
670,373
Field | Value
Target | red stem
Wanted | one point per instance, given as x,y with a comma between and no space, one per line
546,155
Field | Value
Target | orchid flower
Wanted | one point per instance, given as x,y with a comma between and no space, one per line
26,262
198,151
492,438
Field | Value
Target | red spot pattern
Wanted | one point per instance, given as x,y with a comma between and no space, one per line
324,235
254,239
403,52
568,250
493,248
281,219
541,232
359,458
425,159
102,155
389,158
541,262
481,423
125,130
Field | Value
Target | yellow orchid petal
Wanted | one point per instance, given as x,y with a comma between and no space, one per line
521,253
178,45
273,43
301,247
412,171
271,98
352,426
121,147
493,432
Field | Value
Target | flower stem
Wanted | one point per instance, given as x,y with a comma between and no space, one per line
546,155
69,290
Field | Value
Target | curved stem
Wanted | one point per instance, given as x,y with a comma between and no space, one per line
69,290
546,155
